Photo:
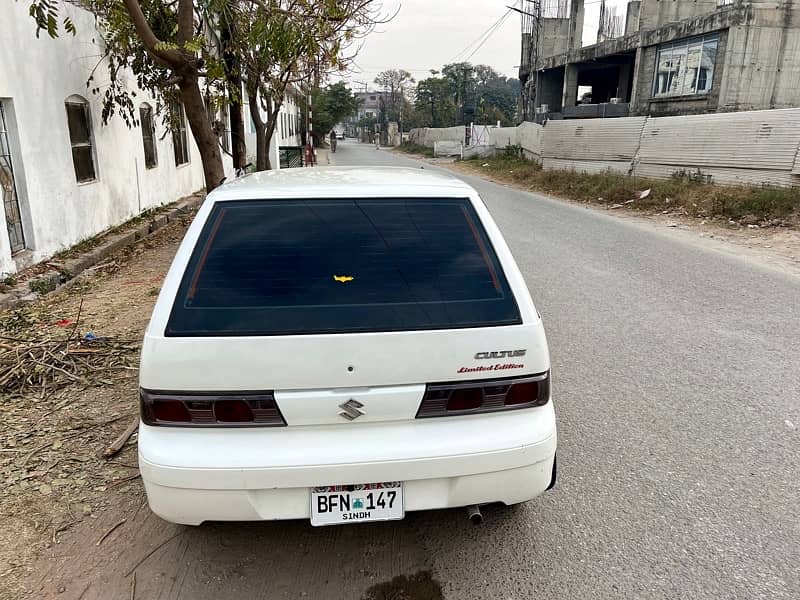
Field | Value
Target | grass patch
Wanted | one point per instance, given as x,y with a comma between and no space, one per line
682,191
410,148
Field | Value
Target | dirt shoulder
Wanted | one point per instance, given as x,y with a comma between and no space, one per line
53,432
773,242
77,526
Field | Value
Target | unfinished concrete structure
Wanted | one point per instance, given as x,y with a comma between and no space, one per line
672,57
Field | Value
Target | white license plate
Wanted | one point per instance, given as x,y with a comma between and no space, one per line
337,504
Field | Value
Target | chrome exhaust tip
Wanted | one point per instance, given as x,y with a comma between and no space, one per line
474,514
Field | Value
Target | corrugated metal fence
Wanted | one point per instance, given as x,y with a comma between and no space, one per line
592,145
754,148
758,147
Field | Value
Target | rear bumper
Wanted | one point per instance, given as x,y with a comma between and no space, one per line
267,475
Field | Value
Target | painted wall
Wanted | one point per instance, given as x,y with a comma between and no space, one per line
57,211
503,136
427,136
530,137
287,130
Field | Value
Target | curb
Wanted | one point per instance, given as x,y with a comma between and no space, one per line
30,291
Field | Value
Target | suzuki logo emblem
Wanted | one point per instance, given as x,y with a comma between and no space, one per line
350,410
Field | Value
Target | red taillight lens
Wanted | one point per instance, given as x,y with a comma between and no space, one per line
173,411
233,411
442,399
465,399
210,410
522,393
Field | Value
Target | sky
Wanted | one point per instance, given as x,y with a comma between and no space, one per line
427,34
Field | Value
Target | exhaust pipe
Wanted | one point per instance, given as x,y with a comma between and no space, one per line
474,514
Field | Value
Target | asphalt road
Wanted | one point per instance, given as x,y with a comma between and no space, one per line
677,386
677,389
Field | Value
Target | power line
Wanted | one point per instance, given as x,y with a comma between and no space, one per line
481,39
486,39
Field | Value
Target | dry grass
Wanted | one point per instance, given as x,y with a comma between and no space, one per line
680,192
410,148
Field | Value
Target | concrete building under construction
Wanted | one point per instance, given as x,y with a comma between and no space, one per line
662,57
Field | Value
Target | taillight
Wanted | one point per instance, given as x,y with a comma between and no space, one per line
173,411
233,411
442,399
465,399
185,409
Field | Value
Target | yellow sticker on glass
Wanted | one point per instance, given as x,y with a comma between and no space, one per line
343,278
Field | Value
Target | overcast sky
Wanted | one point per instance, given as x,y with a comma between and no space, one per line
427,34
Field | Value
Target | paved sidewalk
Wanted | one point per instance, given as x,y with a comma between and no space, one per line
323,157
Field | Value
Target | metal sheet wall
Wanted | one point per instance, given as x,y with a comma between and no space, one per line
587,166
593,139
758,140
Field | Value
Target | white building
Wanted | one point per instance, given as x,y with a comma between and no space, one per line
65,176
287,130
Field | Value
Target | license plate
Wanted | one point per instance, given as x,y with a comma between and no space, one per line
337,504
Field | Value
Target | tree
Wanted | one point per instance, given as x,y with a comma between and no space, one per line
289,42
172,48
434,99
161,43
467,93
331,105
180,51
496,97
394,82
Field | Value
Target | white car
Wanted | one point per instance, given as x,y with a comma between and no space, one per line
343,345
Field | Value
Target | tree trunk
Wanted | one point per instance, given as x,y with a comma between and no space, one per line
262,148
238,146
204,136
233,79
184,65
268,132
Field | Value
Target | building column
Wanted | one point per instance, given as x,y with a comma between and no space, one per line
569,96
634,105
623,82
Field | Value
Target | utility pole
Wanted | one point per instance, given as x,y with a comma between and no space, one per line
310,141
312,152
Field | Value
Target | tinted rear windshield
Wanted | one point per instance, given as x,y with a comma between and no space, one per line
285,267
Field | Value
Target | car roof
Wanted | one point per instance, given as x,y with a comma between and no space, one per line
342,182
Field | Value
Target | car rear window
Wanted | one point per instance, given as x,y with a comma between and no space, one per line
287,267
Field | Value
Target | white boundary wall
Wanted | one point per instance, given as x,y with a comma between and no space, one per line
428,136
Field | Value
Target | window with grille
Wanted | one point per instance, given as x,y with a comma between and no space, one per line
148,136
180,143
80,138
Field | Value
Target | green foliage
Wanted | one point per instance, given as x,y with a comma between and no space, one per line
410,148
396,84
331,105
466,93
45,14
435,101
